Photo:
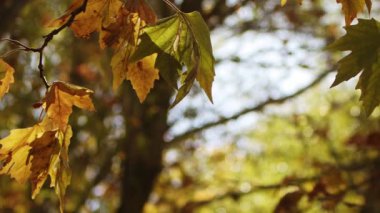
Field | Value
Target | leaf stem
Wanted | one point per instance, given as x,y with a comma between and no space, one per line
173,6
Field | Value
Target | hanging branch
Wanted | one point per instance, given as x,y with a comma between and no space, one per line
47,39
179,138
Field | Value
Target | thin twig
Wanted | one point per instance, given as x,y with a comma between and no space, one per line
47,39
179,138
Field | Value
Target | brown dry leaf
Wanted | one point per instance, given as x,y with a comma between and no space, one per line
6,77
131,17
123,36
142,75
59,101
99,13
351,8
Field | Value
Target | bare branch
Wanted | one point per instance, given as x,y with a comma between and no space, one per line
179,138
47,39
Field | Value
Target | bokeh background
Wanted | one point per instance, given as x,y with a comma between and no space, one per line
276,139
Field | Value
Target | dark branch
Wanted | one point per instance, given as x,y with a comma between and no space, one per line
179,138
48,38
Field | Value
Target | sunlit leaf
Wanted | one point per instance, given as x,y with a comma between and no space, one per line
142,75
59,101
98,14
6,77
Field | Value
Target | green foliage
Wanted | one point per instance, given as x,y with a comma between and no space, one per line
186,38
363,40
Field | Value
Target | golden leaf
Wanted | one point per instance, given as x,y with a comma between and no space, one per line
59,171
351,8
133,16
59,101
130,19
142,75
42,150
7,71
98,13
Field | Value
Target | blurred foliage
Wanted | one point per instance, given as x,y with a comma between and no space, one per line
315,153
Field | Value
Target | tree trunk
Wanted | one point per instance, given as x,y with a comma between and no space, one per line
146,125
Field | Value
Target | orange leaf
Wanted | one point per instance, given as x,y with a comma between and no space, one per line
351,8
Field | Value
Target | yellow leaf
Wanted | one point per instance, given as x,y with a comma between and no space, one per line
133,16
40,151
98,13
59,101
142,75
130,19
59,171
26,153
7,71
351,8
283,2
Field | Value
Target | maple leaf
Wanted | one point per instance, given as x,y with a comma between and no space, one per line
186,38
7,72
133,16
59,101
351,8
59,171
363,40
142,75
40,151
98,14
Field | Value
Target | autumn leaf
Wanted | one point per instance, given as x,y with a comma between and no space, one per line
98,14
351,8
59,171
59,101
142,75
186,38
6,77
363,40
40,151
132,17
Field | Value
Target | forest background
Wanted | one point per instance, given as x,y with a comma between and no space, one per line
277,138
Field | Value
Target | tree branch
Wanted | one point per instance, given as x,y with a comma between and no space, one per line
48,38
179,138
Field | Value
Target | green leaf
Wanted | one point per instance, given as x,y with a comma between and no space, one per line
205,72
363,40
180,40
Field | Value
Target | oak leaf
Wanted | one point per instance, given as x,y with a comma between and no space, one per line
6,77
